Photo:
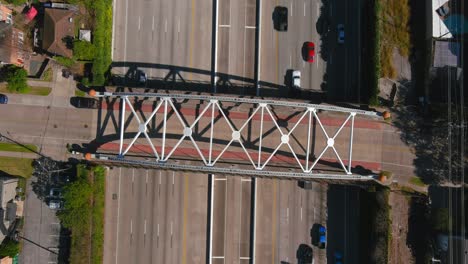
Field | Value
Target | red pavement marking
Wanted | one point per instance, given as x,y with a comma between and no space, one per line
229,155
326,121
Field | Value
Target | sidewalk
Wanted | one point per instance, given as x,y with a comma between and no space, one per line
14,154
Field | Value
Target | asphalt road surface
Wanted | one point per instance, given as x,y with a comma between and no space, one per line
176,33
281,51
285,215
155,217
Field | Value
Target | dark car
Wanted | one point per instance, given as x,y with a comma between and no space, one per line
307,185
66,73
304,254
280,18
319,235
3,99
142,77
84,102
338,257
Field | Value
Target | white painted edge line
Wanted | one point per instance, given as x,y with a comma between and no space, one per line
220,179
118,217
254,240
242,258
216,50
259,48
165,26
225,26
251,27
304,8
211,219
126,27
113,29
291,9
218,257
139,23
152,25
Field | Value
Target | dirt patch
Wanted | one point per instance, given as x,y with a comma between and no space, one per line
399,252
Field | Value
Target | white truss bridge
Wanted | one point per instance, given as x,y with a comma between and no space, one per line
208,160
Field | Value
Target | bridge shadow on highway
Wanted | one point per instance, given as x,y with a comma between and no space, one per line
225,83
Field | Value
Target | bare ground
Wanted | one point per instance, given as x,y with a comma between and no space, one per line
399,252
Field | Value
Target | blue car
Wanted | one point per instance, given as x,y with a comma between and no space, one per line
319,235
3,99
338,257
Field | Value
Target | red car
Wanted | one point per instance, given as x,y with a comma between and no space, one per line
309,51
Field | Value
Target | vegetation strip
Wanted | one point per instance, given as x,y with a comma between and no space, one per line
21,167
83,214
18,148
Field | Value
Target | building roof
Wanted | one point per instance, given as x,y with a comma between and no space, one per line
11,212
32,12
440,8
85,34
5,14
11,44
58,24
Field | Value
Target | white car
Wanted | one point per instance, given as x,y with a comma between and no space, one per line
55,204
296,79
340,29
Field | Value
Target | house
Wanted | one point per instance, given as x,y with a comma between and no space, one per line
6,14
58,26
7,195
12,43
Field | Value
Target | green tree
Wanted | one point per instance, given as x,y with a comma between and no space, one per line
16,78
83,50
9,248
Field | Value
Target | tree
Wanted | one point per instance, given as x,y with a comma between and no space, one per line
9,248
16,78
83,50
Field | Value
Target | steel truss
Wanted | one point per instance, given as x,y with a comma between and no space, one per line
166,102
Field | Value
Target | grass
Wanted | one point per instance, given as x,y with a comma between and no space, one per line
84,214
64,61
80,93
21,167
48,75
417,181
33,90
17,148
394,32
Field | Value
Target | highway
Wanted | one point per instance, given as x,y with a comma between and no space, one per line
155,217
176,33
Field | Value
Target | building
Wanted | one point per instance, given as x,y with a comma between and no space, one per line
12,50
7,211
6,14
58,27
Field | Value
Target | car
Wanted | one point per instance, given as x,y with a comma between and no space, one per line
3,99
306,185
55,192
84,102
338,257
280,18
66,73
296,79
304,254
321,236
55,204
142,77
309,51
340,30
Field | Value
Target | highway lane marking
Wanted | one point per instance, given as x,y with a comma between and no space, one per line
217,257
165,26
220,179
225,26
144,227
184,225
273,224
304,8
318,9
246,180
146,182
291,9
131,226
152,24
290,60
139,23
244,258
178,26
287,214
114,7
118,218
173,180
133,179
251,27
172,223
192,37
126,29
301,213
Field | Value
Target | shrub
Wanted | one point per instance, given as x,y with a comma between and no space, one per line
83,50
16,78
